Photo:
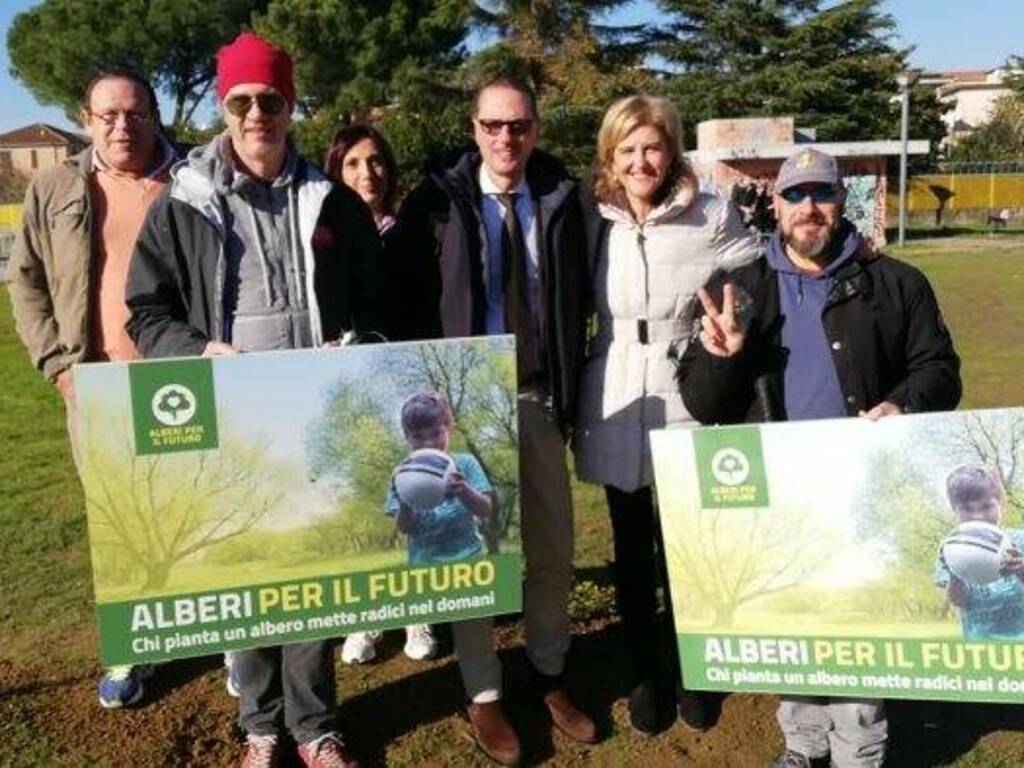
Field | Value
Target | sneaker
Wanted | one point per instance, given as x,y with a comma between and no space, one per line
419,642
328,751
791,759
232,683
360,647
122,686
262,751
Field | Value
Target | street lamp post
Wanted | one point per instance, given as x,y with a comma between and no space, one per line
904,80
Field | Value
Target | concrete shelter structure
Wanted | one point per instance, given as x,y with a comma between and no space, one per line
748,153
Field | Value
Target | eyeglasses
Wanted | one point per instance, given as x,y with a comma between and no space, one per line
819,193
270,103
131,118
515,127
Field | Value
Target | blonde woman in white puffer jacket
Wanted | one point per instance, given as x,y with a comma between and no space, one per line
656,240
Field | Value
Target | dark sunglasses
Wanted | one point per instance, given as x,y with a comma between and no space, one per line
515,127
270,103
819,193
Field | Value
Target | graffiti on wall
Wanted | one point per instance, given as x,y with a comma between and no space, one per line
860,202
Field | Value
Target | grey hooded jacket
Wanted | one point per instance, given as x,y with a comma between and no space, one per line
177,289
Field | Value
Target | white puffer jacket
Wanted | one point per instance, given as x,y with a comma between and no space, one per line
646,281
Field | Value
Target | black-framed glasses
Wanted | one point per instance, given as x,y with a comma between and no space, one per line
270,103
819,193
130,117
515,127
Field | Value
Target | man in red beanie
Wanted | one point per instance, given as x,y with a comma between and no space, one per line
251,249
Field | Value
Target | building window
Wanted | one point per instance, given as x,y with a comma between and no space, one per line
6,163
35,160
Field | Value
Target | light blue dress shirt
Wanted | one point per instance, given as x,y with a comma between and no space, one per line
493,212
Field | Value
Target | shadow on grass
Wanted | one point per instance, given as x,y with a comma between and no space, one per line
396,709
927,733
39,686
170,675
599,575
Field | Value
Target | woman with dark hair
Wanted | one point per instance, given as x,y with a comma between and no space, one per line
360,158
655,238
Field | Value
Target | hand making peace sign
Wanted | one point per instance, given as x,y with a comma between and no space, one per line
720,334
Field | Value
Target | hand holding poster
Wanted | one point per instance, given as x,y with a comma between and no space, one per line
849,557
249,500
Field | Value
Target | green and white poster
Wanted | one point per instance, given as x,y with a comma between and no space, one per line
849,557
252,500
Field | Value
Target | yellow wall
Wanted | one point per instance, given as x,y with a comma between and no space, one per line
974,192
10,217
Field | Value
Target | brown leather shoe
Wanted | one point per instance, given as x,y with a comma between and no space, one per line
493,733
569,720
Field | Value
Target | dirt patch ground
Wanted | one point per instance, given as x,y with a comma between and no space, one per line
398,712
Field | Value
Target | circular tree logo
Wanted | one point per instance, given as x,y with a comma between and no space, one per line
174,405
730,466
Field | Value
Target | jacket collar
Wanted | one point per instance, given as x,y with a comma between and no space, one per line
549,182
851,278
675,204
83,161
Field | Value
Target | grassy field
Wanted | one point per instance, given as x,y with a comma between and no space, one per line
408,714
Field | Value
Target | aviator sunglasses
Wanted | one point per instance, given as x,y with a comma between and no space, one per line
270,103
819,193
515,127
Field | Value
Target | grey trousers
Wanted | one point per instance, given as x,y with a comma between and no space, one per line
853,731
290,685
547,525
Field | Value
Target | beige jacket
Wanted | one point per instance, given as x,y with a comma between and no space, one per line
645,281
50,268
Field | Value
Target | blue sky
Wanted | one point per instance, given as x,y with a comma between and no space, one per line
947,35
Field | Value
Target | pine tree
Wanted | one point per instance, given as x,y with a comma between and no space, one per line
57,46
832,69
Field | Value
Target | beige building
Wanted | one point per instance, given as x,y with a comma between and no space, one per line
34,147
971,94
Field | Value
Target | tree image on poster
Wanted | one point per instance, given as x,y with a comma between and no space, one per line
355,444
905,515
150,514
269,505
734,558
250,500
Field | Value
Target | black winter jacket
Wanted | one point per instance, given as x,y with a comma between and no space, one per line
176,281
437,255
881,320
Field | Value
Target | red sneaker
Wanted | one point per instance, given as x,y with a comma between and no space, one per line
262,751
328,751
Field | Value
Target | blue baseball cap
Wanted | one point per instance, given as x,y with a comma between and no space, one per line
807,166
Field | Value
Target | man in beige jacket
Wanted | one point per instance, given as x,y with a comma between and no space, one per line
70,260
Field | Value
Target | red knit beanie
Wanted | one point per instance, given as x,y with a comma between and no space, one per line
251,59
